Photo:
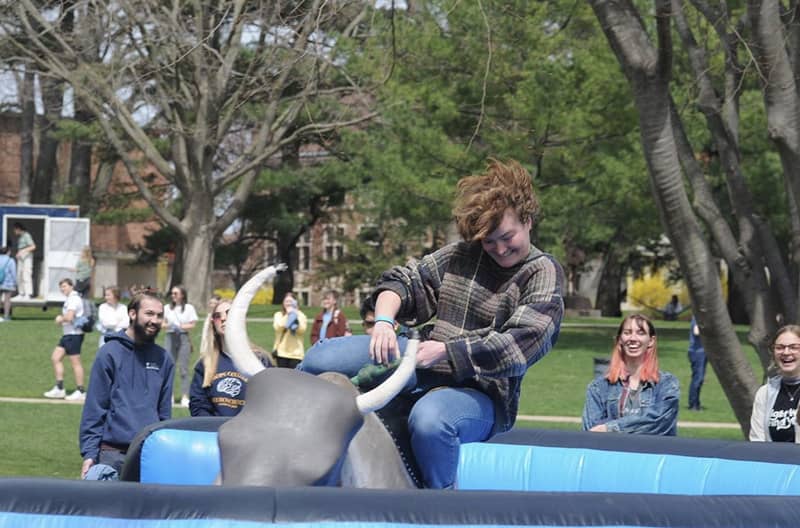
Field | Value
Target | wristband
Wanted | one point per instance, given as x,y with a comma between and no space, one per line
384,319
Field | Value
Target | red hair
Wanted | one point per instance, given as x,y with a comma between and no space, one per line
649,370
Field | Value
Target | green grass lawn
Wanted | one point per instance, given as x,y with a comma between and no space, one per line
41,439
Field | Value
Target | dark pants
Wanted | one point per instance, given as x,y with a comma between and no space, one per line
698,361
113,458
286,362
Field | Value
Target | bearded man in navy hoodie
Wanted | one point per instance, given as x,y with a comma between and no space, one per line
130,388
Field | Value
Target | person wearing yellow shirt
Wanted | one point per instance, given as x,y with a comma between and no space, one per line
290,328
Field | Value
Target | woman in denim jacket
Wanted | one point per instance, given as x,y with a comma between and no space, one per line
633,396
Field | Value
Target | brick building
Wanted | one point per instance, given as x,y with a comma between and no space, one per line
113,245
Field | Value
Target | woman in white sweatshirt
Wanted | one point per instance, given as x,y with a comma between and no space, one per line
112,315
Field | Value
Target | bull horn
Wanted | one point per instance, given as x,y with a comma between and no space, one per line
378,397
236,340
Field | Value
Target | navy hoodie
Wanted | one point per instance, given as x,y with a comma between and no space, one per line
226,394
130,387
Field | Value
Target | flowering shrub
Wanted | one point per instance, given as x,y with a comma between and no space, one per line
263,296
652,292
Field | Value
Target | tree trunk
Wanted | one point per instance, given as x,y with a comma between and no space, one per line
777,63
695,258
102,179
81,162
746,270
648,70
736,304
781,99
26,136
198,263
179,264
754,258
284,282
46,171
609,296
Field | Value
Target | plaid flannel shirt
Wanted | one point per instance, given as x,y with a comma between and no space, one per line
495,322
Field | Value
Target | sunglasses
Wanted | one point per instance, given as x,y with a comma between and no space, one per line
218,315
368,324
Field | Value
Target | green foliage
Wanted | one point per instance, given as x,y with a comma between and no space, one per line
531,81
122,216
405,184
232,253
262,297
72,130
293,193
159,242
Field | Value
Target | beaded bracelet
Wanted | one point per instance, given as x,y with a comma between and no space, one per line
384,319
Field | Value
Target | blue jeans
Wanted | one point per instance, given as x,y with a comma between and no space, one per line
439,422
108,467
345,355
179,346
698,361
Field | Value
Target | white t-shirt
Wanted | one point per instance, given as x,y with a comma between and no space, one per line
178,316
113,318
75,303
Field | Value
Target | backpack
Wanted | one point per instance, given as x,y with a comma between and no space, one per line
3,270
89,318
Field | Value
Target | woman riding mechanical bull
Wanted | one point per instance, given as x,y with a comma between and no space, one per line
496,305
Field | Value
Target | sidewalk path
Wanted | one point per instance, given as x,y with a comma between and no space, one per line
521,417
576,420
47,400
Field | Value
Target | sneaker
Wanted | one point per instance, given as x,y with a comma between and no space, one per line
76,396
55,393
185,402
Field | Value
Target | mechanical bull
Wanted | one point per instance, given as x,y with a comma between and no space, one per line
297,429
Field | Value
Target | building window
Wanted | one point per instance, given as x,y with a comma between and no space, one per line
334,249
303,247
303,297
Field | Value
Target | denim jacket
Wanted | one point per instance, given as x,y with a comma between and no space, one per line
659,404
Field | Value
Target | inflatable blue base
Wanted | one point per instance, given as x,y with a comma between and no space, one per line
523,478
46,503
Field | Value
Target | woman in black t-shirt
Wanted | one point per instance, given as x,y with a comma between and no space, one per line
774,417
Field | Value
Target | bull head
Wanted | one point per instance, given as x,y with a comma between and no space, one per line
296,428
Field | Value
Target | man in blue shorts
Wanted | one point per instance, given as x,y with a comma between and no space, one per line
69,345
